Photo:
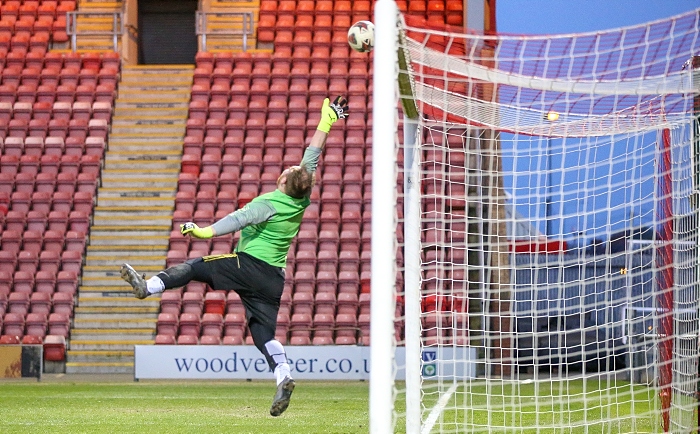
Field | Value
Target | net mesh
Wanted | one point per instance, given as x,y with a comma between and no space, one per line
558,229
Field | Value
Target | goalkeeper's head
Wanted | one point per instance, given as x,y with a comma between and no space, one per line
296,182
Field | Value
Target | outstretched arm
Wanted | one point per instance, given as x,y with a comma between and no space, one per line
253,213
330,113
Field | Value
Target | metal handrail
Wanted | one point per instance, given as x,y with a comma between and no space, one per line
202,30
116,32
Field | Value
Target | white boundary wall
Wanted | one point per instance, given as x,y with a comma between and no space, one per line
212,362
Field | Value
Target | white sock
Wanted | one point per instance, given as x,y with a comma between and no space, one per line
154,285
282,371
276,351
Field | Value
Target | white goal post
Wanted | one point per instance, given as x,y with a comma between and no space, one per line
535,229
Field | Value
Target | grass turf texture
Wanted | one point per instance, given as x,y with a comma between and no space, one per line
317,407
547,408
181,407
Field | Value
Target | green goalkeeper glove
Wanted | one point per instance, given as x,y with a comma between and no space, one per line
190,228
331,112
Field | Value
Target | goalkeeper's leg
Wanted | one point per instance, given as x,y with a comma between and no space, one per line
173,277
264,339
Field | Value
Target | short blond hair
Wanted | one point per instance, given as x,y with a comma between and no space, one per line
299,183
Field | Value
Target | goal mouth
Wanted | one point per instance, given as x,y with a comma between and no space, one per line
547,228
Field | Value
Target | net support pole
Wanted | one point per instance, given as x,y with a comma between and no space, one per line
383,263
695,198
412,278
664,261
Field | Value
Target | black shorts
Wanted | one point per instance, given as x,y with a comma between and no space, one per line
258,283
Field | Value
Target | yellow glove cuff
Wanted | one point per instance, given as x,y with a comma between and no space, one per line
203,233
328,117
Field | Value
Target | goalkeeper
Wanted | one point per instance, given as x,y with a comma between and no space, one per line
255,270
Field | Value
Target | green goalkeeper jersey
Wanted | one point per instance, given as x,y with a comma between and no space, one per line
269,241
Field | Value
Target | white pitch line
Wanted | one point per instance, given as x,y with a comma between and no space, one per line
439,407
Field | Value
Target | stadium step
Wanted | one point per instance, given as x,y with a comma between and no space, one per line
113,345
101,356
125,211
123,312
113,334
127,300
100,368
116,322
146,199
150,128
111,220
110,290
145,153
126,249
147,110
109,271
117,240
153,145
132,219
155,261
130,230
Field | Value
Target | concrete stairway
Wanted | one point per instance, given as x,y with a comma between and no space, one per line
132,218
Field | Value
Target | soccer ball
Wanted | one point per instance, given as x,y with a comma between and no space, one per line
361,36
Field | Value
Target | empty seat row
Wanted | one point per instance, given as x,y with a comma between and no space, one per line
25,281
48,261
34,8
62,128
49,94
50,163
42,301
15,74
55,61
35,241
38,146
36,324
66,182
53,110
41,221
24,42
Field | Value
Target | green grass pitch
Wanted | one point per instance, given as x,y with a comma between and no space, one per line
181,407
202,407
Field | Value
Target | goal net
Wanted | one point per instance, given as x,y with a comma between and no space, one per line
541,263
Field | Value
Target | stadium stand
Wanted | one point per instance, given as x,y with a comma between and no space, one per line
50,165
249,117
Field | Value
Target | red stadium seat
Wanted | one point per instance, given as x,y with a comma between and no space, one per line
13,324
63,303
187,340
36,324
18,302
215,302
170,302
165,340
234,324
67,281
59,324
45,282
23,282
234,304
325,302
212,324
55,348
28,261
192,302
167,324
49,261
190,324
